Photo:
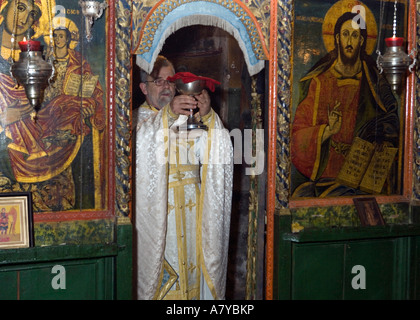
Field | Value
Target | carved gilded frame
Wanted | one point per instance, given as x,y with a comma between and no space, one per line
263,13
407,136
278,188
56,225
282,202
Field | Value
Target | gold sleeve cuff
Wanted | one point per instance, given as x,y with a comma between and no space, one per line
171,114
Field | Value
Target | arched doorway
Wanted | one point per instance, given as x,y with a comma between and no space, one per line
239,101
212,52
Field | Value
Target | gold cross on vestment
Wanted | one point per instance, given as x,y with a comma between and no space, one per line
179,175
190,204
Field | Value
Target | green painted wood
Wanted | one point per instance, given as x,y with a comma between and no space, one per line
317,271
326,270
51,253
8,285
414,276
316,263
93,271
86,279
124,263
348,233
385,264
90,271
282,262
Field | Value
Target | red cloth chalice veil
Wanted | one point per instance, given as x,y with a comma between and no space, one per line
187,77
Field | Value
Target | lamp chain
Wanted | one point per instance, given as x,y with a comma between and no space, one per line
394,23
378,52
49,9
12,39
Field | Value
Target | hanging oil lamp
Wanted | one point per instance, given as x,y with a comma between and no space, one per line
91,10
395,62
32,72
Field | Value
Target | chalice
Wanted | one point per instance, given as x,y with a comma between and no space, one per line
191,88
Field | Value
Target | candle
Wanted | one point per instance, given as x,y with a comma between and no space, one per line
394,42
29,45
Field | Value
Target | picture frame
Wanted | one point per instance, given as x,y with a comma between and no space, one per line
85,168
16,220
368,211
312,178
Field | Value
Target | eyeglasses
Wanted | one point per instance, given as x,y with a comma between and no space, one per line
161,82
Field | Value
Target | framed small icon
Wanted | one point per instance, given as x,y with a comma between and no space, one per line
16,220
368,211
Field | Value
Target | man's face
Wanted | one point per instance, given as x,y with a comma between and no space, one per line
349,43
26,12
159,96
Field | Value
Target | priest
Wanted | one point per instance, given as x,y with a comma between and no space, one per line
183,193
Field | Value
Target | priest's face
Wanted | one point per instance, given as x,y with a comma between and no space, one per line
159,94
349,43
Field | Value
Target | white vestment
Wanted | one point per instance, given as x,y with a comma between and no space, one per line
183,197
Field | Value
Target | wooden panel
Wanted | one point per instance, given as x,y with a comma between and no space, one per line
317,271
27,273
414,288
283,249
380,260
124,263
80,279
8,288
325,270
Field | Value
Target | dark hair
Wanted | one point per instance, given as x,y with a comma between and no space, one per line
160,62
38,11
327,60
350,16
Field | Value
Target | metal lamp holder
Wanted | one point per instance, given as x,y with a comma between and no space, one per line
91,10
395,62
31,70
